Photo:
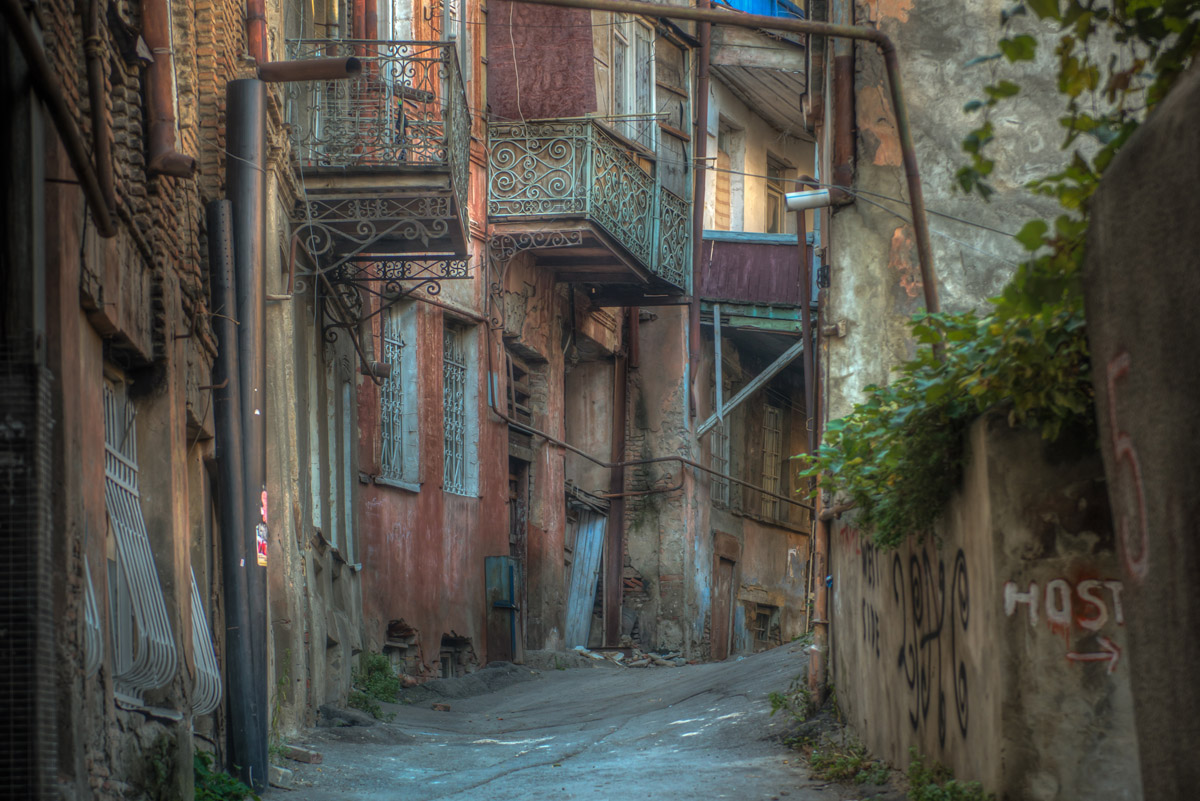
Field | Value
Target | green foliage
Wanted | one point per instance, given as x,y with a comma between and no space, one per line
899,455
375,677
217,785
933,782
848,762
796,701
374,681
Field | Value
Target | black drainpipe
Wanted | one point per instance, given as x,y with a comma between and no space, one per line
247,188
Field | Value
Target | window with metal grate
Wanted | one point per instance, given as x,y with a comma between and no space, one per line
454,409
772,452
398,431
206,692
144,654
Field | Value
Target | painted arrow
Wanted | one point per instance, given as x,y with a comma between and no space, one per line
1111,654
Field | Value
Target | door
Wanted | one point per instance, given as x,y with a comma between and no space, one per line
722,609
585,568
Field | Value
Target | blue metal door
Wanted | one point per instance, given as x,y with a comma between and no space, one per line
581,596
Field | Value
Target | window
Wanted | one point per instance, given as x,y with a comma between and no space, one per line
144,656
723,200
772,452
633,80
776,206
458,416
206,692
399,446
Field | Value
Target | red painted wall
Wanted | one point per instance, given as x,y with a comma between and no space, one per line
553,63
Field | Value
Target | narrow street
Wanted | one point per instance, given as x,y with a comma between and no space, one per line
698,731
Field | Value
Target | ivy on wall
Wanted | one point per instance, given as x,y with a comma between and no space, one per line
898,456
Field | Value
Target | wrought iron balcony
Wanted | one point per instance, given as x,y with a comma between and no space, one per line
589,204
384,156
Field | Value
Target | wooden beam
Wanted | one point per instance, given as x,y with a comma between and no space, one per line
773,369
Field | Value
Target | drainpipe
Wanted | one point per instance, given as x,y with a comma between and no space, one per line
704,34
615,557
45,83
843,103
256,30
244,721
160,85
820,568
371,16
93,49
246,183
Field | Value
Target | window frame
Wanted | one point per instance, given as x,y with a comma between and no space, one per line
399,390
460,417
772,449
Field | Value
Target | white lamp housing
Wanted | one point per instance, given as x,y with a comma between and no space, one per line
812,199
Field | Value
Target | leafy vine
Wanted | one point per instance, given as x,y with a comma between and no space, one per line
898,456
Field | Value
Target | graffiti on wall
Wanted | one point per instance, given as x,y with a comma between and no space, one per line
1089,604
937,611
933,597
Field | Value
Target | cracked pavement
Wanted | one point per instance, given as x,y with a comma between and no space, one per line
698,731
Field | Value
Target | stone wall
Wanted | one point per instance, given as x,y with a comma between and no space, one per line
997,646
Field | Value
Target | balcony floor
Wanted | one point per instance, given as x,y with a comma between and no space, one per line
577,251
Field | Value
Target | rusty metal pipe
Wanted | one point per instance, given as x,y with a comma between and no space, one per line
46,85
160,80
93,49
699,180
615,560
310,69
843,102
256,31
891,66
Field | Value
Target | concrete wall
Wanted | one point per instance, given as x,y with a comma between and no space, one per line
1140,280
997,646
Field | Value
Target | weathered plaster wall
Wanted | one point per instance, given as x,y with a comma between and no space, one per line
876,283
997,646
1141,283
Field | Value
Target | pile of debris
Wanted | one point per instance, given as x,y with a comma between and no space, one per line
634,657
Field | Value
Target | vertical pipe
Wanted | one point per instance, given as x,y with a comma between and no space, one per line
804,277
843,99
256,30
717,359
615,564
820,647
704,33
240,678
160,85
247,185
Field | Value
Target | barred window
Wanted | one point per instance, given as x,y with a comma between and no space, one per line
391,401
454,409
772,453
399,447
144,655
718,459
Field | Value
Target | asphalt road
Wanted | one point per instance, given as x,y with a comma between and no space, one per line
691,732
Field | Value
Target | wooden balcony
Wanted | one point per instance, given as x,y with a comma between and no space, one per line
755,278
588,205
383,157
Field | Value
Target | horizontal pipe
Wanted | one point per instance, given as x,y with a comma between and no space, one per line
45,83
310,69
891,65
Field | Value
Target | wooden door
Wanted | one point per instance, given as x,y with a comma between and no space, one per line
722,609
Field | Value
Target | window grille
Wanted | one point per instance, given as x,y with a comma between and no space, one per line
391,399
206,693
718,444
93,642
454,410
348,473
772,452
144,656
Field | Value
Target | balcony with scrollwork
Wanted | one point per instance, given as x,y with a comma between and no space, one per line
590,206
383,157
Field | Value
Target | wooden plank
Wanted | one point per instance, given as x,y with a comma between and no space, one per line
773,369
585,569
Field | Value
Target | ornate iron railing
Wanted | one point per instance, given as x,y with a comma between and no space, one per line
407,110
576,168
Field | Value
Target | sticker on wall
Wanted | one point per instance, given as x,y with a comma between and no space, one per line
260,536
